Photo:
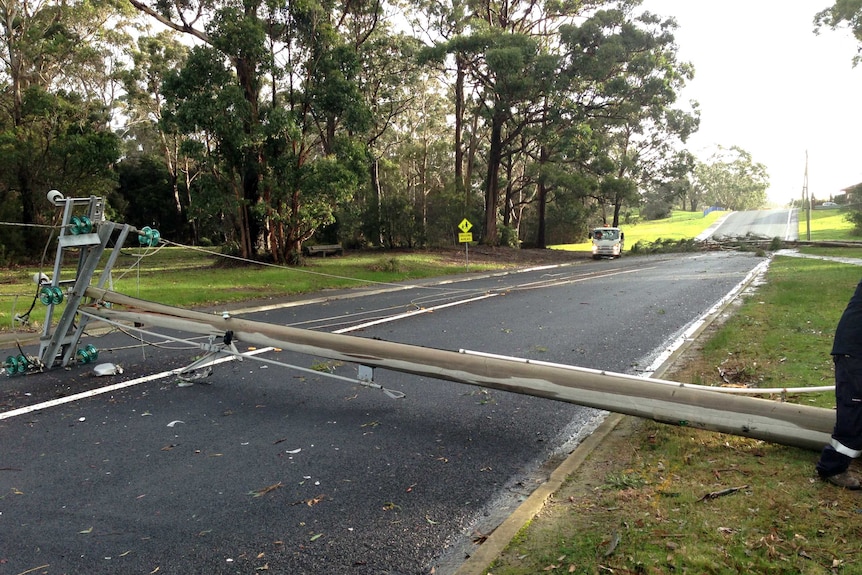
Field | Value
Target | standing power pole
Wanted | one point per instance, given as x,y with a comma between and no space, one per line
806,200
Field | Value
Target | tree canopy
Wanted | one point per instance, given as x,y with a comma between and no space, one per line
263,125
730,178
843,14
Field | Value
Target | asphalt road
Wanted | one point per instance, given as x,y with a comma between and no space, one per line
270,469
777,223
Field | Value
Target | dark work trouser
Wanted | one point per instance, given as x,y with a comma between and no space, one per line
846,442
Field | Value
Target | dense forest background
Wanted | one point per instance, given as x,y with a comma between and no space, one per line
258,125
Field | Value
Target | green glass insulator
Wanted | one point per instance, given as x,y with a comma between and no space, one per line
92,352
83,356
46,295
145,236
11,365
56,295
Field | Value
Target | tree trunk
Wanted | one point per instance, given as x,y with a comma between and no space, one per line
471,160
253,158
245,244
508,203
28,205
192,218
541,200
378,196
460,184
492,192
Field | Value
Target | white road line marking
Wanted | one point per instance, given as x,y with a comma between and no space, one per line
94,392
412,313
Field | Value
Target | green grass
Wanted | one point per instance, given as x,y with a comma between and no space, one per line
783,336
681,225
638,505
188,278
826,225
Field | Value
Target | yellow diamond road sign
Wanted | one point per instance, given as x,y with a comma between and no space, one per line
465,226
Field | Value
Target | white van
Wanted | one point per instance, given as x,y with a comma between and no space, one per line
607,242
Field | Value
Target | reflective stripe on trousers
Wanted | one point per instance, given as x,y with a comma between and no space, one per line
843,449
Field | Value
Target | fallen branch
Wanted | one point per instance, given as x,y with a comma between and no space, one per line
717,494
264,490
612,546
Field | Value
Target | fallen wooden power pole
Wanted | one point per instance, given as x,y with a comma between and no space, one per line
783,423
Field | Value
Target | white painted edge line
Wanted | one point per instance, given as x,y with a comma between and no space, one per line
690,331
108,389
677,343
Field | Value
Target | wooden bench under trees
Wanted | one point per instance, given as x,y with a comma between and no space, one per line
323,250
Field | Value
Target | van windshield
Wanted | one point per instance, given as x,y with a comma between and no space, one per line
606,234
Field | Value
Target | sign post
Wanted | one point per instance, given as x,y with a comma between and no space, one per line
465,237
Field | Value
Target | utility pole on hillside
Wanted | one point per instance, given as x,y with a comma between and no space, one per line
806,200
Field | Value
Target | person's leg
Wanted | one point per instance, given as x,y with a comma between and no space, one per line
846,443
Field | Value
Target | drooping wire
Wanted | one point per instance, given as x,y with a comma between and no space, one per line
21,225
310,272
25,319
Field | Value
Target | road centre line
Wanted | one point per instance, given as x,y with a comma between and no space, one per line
531,285
412,313
94,392
563,281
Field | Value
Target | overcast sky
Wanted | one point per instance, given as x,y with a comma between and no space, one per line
766,83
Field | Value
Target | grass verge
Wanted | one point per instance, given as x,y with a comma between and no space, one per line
826,225
186,278
662,499
680,226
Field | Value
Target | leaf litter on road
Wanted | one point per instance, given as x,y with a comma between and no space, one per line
264,490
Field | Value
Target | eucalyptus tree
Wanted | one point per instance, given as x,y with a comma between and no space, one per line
674,186
543,71
153,60
629,67
393,86
55,106
843,13
272,95
607,128
424,159
439,21
505,63
155,146
566,169
730,178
